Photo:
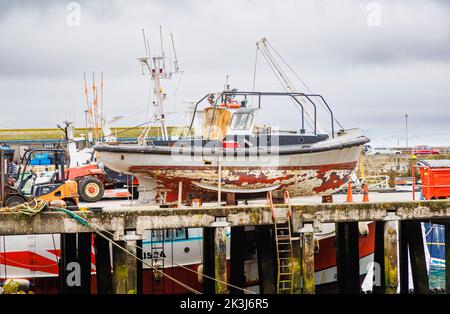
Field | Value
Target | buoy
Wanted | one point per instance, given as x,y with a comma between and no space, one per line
22,284
316,245
200,274
366,193
349,193
58,203
363,228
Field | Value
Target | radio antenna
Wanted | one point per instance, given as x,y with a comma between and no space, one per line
145,43
177,69
162,48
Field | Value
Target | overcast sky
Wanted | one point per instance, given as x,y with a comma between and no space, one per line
373,61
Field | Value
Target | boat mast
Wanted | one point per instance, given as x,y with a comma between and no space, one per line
156,66
262,46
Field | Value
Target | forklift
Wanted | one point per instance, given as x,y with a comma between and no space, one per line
55,188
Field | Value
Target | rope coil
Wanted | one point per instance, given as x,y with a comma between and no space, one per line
30,208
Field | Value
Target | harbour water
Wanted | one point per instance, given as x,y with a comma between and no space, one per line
437,277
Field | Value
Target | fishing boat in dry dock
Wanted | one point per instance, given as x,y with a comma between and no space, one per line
250,160
231,153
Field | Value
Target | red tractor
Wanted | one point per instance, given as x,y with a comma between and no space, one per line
93,180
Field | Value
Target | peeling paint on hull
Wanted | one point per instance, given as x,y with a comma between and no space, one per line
302,174
299,182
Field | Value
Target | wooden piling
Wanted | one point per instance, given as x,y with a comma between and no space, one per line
84,259
68,270
347,257
379,284
131,268
308,284
103,265
417,257
139,268
266,259
297,260
403,257
208,260
390,257
220,260
237,254
120,269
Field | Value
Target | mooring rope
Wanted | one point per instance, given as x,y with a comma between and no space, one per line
30,208
39,204
94,226
191,270
98,231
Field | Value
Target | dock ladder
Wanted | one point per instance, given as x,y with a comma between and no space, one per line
157,258
283,240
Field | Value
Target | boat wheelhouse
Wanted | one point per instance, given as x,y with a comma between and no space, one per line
235,155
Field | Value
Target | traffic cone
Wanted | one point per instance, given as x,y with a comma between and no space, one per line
366,193
349,193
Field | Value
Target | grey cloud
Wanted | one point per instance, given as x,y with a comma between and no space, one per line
371,75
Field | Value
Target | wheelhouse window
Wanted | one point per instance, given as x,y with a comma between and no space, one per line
241,121
176,234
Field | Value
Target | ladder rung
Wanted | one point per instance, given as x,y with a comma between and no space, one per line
283,251
289,281
284,237
285,274
284,258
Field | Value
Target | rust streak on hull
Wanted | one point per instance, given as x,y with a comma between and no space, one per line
300,181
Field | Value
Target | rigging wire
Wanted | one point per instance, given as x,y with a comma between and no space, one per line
300,79
285,88
144,262
254,72
100,231
28,265
54,247
134,127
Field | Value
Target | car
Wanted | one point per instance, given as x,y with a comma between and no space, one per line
424,150
383,151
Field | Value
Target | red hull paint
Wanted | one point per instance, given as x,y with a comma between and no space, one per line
168,178
326,258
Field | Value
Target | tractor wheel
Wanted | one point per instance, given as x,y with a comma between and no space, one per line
14,200
91,189
134,192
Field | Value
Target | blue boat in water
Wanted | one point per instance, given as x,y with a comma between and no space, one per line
435,240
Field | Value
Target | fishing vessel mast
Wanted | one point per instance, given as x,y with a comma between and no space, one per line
156,65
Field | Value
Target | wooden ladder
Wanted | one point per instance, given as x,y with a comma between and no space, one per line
283,240
157,260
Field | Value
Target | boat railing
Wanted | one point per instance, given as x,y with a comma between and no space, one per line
294,96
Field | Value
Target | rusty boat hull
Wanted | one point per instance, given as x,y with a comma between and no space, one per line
303,170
